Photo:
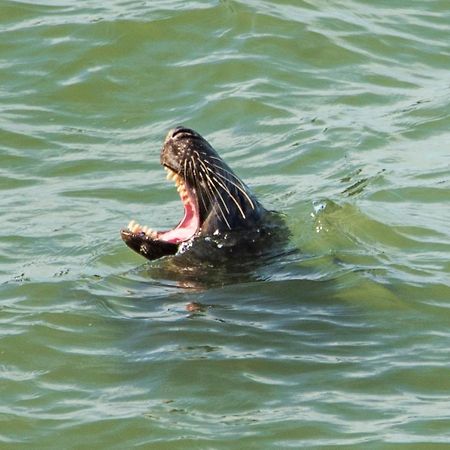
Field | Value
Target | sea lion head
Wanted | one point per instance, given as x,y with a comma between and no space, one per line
215,199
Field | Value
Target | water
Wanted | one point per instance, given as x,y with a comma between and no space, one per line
337,114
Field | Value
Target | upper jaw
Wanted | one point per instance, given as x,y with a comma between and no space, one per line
176,147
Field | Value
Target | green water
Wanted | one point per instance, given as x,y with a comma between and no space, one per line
336,113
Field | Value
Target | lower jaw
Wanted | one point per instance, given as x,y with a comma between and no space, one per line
148,247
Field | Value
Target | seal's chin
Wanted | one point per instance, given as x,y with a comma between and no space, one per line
136,235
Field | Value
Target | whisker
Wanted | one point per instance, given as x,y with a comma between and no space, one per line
238,186
207,190
225,188
216,189
224,169
194,177
210,185
214,157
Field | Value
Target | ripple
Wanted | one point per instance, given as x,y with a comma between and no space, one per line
338,117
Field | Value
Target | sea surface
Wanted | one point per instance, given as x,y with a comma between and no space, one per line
337,114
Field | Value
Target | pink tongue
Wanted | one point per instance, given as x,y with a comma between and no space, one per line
185,229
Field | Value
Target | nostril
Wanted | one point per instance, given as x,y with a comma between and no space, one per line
181,130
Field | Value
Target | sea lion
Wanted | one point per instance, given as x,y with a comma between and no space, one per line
219,209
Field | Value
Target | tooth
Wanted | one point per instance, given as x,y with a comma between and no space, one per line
131,224
145,229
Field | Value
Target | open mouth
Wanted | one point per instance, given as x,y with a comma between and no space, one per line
189,224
